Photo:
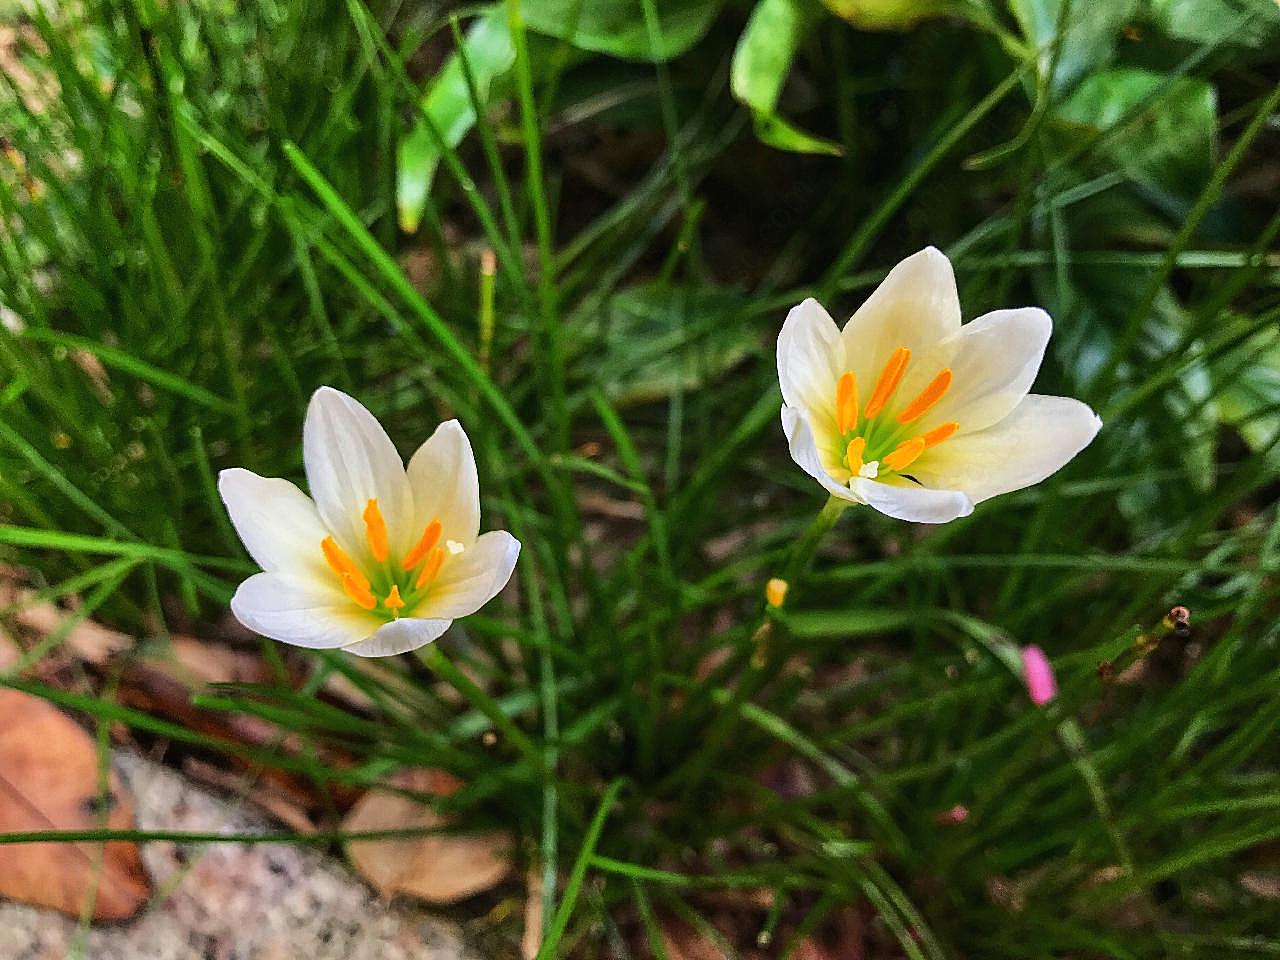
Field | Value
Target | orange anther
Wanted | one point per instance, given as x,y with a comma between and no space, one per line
940,433
847,402
359,592
927,397
430,568
428,540
890,377
341,564
375,529
905,454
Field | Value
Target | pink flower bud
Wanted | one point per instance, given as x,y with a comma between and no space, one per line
1038,673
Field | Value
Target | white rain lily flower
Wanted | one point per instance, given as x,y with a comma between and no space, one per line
945,419
384,558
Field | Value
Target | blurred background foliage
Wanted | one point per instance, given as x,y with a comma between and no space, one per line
211,208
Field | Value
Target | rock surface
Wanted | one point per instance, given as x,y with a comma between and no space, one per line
232,901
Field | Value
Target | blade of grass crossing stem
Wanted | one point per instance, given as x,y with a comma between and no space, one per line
485,128
65,486
435,325
870,229
529,129
1208,196
652,934
549,702
433,657
58,634
574,884
508,257
123,360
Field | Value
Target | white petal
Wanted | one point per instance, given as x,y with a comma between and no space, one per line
916,306
442,476
350,460
1036,440
804,451
400,636
917,504
810,362
277,522
472,578
993,362
303,612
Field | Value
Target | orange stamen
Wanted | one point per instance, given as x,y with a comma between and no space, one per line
428,540
847,402
359,592
340,563
375,529
927,397
430,568
938,434
905,454
853,454
890,377
393,601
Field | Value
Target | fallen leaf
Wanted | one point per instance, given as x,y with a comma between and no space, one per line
90,641
438,868
49,781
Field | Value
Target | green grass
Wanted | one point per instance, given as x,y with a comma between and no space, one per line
200,227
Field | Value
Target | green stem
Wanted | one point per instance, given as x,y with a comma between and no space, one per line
760,669
560,922
434,659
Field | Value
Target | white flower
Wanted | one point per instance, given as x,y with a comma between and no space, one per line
914,414
384,559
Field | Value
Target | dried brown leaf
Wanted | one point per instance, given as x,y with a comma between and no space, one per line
438,868
49,781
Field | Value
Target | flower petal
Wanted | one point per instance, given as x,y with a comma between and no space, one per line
442,476
994,360
299,611
351,460
810,361
917,504
916,306
277,522
400,636
804,451
1036,440
472,578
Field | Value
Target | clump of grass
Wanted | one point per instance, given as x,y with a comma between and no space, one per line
200,227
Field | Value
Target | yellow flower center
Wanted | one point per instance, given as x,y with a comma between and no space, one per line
388,587
878,437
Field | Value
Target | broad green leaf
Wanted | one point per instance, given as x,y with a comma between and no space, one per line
1091,33
1249,398
490,54
761,63
658,339
618,29
1172,143
1250,23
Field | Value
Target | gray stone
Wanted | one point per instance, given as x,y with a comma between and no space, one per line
232,901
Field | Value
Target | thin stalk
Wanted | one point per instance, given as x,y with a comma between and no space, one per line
762,661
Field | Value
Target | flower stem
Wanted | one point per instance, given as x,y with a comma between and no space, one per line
797,564
435,660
